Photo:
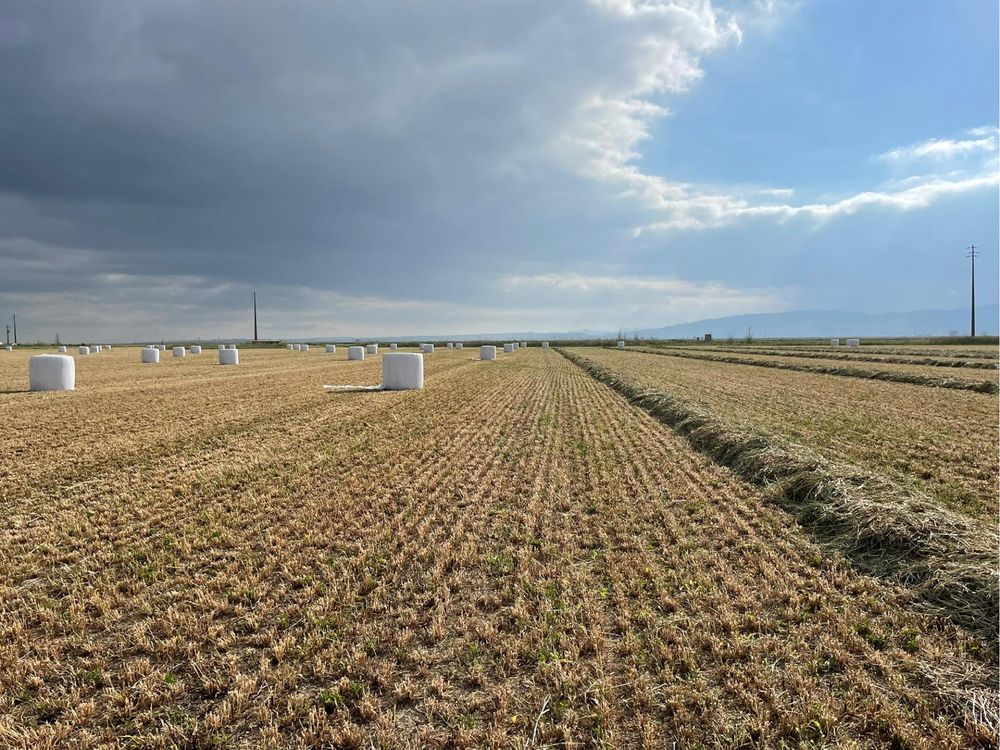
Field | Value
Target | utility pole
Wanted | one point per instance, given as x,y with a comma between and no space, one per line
254,314
8,335
14,318
973,254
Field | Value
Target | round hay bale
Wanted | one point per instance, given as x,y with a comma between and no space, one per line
459,346
51,372
393,346
371,349
427,348
221,347
508,348
331,348
487,353
402,371
179,351
150,356
621,344
162,347
545,345
79,349
62,349
229,356
231,346
196,349
305,347
356,353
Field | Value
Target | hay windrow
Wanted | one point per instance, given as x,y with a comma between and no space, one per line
888,359
961,384
886,530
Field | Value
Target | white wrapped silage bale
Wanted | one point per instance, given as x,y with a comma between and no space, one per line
853,342
290,347
296,347
179,351
545,345
108,347
162,347
231,346
331,348
451,345
221,347
524,344
229,356
79,349
427,348
371,349
393,346
459,345
51,372
487,353
834,342
62,349
150,355
621,344
100,348
508,348
196,349
305,347
356,352
95,349
10,348
402,371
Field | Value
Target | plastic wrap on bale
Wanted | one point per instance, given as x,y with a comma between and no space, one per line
51,372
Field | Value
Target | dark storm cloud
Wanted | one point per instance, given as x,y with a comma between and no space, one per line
276,139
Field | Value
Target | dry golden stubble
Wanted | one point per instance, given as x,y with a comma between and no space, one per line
511,556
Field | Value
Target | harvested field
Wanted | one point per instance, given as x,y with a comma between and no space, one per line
944,442
512,557
930,377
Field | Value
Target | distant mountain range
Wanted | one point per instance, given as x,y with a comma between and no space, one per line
793,324
824,323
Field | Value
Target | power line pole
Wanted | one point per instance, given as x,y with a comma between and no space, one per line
254,314
973,254
14,318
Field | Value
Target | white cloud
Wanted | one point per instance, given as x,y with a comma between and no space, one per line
603,141
703,211
983,140
649,297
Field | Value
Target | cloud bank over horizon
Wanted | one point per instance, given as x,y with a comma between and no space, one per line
447,166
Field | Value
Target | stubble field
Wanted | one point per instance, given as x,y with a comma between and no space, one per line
515,556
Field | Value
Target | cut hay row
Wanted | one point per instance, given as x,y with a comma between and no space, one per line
512,557
887,359
960,384
887,530
937,351
942,442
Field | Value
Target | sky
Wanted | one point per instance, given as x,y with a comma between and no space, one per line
445,166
